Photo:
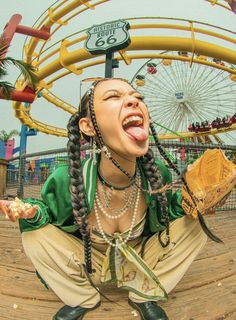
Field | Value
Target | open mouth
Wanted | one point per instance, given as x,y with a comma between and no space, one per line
133,125
132,121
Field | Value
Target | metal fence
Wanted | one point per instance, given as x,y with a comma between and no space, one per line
27,174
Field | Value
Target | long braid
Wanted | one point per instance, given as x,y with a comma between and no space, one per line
163,152
153,174
207,231
93,117
78,200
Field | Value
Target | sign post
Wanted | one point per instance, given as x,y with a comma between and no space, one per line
107,38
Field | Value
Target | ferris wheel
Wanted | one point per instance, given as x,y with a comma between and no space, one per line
56,60
178,94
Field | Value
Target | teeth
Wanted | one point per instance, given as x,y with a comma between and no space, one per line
137,119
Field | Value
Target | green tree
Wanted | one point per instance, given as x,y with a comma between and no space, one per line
26,69
5,136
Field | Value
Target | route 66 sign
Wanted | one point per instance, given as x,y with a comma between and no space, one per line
108,37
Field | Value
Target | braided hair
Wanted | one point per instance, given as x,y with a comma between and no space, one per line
78,200
163,153
153,174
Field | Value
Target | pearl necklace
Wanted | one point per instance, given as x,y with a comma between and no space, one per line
129,201
131,226
111,216
107,198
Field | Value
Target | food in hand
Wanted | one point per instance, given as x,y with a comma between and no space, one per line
18,206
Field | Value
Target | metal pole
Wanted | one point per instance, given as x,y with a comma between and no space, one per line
22,158
21,177
109,65
23,142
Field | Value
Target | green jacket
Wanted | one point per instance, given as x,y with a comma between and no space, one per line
55,206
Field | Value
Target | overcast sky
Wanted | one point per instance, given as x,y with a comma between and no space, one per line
200,10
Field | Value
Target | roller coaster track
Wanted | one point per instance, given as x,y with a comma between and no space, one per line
60,59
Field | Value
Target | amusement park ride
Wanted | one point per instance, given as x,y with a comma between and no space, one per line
231,4
178,95
189,83
174,80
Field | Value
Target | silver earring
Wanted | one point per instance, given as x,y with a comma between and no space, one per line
95,150
106,152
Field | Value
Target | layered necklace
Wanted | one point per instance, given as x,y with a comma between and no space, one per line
131,200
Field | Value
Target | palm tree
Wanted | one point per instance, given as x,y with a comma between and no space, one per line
26,69
5,136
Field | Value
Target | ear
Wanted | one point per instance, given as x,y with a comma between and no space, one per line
86,127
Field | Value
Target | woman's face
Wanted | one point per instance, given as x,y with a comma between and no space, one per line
122,118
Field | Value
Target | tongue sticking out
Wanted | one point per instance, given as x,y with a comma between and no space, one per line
138,133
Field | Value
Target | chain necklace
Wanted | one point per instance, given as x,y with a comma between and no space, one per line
131,226
107,197
110,185
117,213
129,200
137,198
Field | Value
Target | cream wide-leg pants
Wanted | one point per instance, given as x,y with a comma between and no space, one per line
58,258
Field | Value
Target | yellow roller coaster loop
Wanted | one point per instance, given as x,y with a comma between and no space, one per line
48,129
53,20
59,60
140,26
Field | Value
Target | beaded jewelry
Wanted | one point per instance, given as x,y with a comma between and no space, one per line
117,213
94,151
127,199
132,221
115,216
108,184
106,152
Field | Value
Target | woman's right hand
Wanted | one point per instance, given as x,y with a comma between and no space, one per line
14,210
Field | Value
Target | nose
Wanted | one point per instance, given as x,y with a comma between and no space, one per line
131,102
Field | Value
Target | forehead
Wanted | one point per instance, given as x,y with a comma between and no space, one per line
109,85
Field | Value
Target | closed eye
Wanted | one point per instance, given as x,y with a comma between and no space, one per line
140,97
112,96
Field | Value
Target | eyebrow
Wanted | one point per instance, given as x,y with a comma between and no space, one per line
117,91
